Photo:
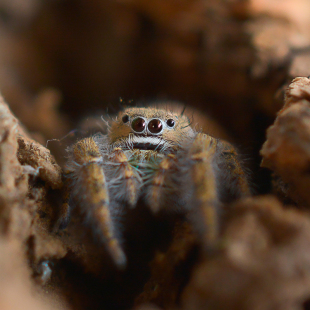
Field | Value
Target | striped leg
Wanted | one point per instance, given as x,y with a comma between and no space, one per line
217,178
204,182
159,185
91,193
124,179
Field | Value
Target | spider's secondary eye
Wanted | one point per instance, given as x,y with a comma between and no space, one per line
170,122
138,124
155,126
125,118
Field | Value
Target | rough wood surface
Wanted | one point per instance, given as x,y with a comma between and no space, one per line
287,149
232,63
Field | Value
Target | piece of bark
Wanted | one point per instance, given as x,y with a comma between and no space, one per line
13,185
38,157
22,234
16,289
264,263
287,149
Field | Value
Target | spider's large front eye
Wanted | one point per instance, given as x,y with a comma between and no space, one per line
155,126
138,124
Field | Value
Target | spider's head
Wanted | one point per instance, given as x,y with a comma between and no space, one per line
150,129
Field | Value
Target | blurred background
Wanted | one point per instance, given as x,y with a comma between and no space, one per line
64,60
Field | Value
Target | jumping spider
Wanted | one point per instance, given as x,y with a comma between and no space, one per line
156,156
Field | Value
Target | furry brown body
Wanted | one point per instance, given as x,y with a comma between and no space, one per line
153,155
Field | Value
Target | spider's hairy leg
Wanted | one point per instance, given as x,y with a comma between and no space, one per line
232,177
91,193
125,180
218,178
201,154
159,184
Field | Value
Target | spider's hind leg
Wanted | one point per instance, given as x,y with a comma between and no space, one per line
89,190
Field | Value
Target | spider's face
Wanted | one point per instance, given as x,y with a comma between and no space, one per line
150,129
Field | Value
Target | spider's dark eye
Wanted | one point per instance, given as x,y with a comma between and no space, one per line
155,126
138,124
125,118
170,122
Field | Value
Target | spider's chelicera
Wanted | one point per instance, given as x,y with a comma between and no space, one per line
156,156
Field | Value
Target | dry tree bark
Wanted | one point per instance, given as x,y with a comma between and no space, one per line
17,290
19,203
264,262
286,150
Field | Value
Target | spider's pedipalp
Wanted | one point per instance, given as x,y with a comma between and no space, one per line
89,189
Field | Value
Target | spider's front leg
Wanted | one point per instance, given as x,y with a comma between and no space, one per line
124,180
217,178
90,191
160,185
201,155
